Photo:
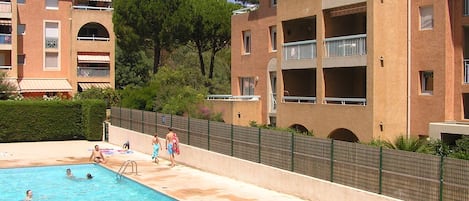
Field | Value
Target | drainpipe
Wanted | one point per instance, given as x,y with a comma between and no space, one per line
409,57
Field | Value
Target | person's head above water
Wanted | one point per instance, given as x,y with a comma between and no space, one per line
89,176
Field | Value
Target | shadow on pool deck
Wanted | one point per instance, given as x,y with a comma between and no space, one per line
181,182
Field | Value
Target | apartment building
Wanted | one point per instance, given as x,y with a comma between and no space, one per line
57,47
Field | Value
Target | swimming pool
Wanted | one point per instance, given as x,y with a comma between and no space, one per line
50,183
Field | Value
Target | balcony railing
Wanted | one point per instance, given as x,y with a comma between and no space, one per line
93,38
52,43
466,71
93,8
93,71
231,97
354,45
5,7
466,7
4,67
345,101
5,38
299,99
299,50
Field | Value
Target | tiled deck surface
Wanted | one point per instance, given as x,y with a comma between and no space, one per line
181,182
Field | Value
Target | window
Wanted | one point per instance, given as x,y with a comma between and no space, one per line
21,59
273,2
52,35
426,17
20,1
247,86
51,61
52,4
247,42
273,38
21,29
426,80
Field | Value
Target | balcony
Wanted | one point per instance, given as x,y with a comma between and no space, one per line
93,71
354,45
299,86
100,5
299,50
345,85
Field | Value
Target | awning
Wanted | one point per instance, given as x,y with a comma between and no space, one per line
45,85
93,59
89,85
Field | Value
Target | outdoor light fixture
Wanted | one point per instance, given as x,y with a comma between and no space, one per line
381,59
381,126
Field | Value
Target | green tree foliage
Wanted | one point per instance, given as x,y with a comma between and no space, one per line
108,95
145,24
6,88
404,144
461,150
132,68
209,28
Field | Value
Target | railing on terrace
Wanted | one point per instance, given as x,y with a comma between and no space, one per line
93,71
299,99
5,38
5,7
93,38
466,71
353,45
299,50
231,97
93,8
344,101
3,67
466,7
399,174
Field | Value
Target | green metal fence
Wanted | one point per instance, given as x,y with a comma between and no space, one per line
394,173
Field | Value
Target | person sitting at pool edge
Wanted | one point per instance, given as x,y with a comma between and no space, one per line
29,195
97,156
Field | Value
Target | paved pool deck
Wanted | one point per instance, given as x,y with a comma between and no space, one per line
180,182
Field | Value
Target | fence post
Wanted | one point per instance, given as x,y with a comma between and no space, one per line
332,160
156,122
188,130
292,152
171,123
232,140
143,122
380,170
442,160
120,116
259,134
130,119
208,135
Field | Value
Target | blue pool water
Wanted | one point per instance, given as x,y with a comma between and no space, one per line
49,183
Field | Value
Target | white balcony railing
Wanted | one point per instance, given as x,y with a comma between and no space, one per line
4,67
299,99
93,38
354,45
299,50
93,71
93,8
5,7
344,101
466,71
5,38
231,97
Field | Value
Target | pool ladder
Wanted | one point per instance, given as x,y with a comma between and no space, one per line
124,167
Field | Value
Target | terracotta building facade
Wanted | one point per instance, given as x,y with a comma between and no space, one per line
353,70
57,47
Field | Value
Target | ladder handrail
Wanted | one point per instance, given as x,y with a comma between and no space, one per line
124,167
